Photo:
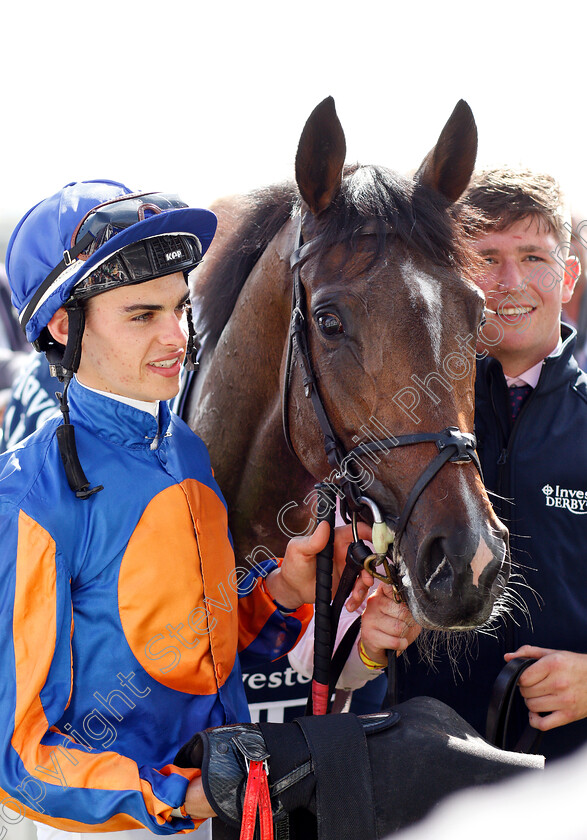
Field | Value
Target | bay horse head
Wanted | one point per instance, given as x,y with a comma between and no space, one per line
372,366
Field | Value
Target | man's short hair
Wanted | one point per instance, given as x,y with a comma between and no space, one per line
504,196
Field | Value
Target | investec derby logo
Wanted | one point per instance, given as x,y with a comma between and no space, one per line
560,497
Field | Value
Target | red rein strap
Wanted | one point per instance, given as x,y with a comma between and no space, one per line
257,797
319,698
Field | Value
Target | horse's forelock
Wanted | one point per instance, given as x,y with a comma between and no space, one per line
420,218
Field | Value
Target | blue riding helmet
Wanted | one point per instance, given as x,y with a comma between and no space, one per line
88,238
59,243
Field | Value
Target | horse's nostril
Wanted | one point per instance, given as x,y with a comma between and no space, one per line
439,572
459,577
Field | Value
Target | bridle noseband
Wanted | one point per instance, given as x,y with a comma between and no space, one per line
453,445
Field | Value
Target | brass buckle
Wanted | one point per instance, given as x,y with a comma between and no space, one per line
381,559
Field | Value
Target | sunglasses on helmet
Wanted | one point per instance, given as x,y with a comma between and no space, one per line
140,261
106,220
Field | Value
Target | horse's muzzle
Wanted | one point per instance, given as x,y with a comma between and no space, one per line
458,579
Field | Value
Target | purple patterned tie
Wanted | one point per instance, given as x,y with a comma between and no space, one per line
517,396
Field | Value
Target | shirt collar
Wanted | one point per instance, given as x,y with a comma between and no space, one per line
116,420
532,375
151,408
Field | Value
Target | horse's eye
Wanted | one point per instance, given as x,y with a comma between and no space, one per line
330,324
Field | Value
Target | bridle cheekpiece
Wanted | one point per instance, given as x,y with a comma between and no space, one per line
453,445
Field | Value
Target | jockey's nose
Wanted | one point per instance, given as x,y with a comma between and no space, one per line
174,330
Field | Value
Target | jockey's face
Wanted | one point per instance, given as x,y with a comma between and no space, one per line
135,339
525,283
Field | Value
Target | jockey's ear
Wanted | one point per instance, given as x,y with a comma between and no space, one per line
58,326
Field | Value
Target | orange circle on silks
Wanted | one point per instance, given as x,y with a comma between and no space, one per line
176,605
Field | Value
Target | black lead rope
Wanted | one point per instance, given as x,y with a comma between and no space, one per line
391,693
331,664
357,553
323,640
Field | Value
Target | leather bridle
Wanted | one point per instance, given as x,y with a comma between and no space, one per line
453,445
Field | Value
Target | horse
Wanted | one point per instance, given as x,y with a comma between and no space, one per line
338,317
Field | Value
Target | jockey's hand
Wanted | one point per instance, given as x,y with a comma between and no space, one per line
294,583
555,686
386,625
196,803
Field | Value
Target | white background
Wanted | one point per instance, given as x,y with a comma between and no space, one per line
206,99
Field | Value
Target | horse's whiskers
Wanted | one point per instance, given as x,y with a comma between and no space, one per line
500,497
456,645
459,645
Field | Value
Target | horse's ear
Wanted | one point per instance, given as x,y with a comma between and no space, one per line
447,168
320,157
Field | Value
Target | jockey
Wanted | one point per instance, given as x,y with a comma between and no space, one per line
121,605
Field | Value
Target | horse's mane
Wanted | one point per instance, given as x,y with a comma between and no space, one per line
419,217
267,211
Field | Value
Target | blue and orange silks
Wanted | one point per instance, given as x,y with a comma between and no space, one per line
119,620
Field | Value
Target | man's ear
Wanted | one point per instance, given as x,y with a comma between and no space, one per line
58,326
570,277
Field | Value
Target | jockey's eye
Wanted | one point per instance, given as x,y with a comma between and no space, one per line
330,324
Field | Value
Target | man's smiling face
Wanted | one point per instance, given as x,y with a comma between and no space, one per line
525,286
135,339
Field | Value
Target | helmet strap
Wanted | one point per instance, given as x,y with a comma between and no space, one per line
76,477
63,364
64,361
68,263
